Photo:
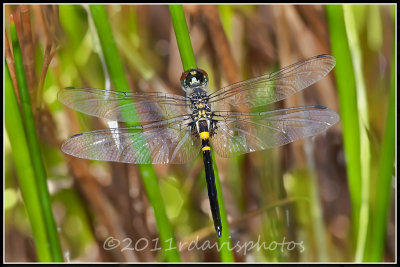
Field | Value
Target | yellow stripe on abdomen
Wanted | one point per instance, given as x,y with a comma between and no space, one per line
204,135
205,148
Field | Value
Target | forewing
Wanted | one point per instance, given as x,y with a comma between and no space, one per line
273,87
243,133
157,143
123,106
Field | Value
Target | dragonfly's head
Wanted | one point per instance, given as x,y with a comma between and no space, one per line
194,78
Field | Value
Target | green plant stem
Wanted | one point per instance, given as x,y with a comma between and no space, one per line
350,17
348,108
182,37
385,174
24,168
188,61
36,157
149,177
224,242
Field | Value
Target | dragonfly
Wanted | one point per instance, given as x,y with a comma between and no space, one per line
173,129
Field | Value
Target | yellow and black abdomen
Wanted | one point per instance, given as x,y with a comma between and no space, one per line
205,137
204,134
212,190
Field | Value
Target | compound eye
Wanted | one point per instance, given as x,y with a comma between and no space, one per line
194,77
203,73
184,76
204,77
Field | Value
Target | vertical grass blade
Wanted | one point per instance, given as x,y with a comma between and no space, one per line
346,85
25,170
385,173
182,37
224,242
188,61
362,105
149,178
35,154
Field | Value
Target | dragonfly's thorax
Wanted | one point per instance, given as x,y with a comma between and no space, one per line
199,98
201,111
199,104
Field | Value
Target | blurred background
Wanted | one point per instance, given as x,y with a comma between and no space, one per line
295,193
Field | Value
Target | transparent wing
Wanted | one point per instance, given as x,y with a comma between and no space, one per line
243,133
123,106
156,143
273,87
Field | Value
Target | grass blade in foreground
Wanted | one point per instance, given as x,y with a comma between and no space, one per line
350,17
52,242
381,206
349,111
182,37
25,171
